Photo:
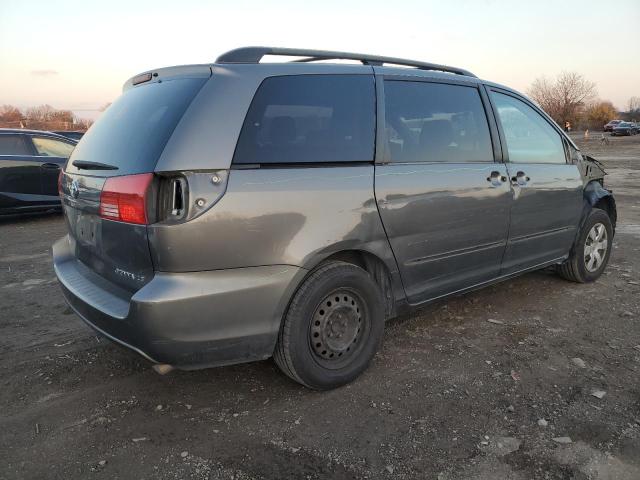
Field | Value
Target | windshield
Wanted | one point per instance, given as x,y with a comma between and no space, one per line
133,131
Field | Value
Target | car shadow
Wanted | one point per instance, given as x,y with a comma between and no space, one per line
16,218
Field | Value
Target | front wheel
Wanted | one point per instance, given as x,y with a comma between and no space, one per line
591,253
333,327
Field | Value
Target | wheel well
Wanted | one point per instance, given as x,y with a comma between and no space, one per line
376,268
608,204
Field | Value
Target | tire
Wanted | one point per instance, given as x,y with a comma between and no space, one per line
584,266
333,327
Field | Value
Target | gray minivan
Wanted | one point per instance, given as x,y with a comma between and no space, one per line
235,211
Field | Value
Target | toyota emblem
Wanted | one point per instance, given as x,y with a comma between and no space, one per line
74,189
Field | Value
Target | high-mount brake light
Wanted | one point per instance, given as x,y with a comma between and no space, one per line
145,77
124,199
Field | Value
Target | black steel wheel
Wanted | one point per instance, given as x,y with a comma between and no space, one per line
339,321
333,327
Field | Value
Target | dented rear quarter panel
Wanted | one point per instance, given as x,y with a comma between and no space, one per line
278,216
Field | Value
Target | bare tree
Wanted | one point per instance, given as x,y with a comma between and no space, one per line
563,98
542,91
42,117
38,117
83,124
10,117
634,104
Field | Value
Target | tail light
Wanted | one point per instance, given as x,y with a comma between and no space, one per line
124,199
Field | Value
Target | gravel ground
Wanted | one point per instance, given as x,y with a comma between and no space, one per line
532,378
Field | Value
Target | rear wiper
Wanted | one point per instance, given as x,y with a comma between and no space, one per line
87,165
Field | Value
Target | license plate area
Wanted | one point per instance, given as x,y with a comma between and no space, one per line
86,230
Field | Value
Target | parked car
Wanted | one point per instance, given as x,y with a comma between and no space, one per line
625,128
73,135
236,211
611,125
30,162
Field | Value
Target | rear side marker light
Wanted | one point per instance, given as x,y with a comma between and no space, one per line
124,199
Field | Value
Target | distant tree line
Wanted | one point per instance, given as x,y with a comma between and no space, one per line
571,98
633,112
42,117
568,97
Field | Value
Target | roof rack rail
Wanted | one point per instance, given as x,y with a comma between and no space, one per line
255,54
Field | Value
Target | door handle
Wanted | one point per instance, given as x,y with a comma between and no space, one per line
520,178
51,166
496,179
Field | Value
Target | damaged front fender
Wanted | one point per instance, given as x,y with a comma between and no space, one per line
596,196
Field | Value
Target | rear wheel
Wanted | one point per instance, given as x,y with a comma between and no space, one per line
591,252
332,328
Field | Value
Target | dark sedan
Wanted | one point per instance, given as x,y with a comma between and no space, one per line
30,161
625,128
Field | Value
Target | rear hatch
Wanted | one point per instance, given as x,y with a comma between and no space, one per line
108,189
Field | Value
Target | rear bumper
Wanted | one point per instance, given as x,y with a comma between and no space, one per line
188,320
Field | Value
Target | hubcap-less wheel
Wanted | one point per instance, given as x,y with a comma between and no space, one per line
338,324
332,328
595,247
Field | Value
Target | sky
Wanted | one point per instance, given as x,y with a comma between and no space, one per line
76,54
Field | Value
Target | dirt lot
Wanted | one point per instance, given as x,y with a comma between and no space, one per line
451,395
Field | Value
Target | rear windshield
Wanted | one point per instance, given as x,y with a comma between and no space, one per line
133,131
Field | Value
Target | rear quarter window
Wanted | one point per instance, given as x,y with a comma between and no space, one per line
14,145
309,119
50,147
134,130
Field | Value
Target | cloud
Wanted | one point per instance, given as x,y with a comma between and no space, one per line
44,73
